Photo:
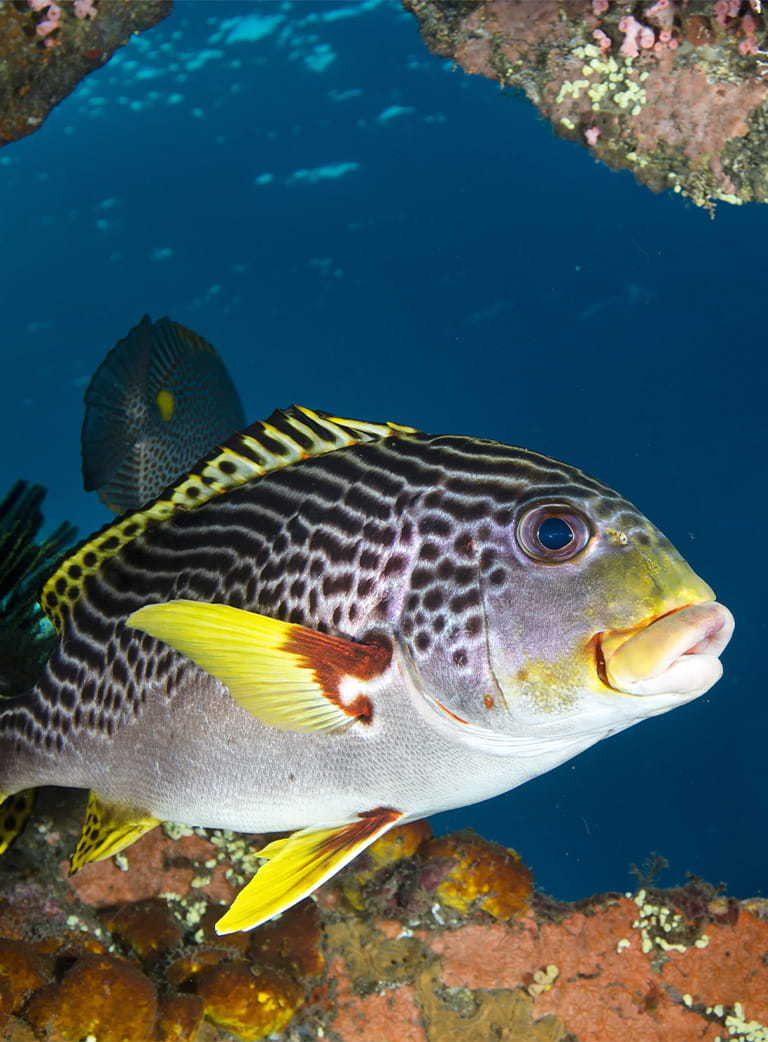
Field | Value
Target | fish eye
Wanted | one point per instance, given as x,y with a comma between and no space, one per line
552,533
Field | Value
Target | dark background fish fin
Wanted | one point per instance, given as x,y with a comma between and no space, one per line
113,413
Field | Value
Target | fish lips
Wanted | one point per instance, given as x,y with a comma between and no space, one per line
672,654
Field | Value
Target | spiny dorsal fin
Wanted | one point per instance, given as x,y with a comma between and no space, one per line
287,437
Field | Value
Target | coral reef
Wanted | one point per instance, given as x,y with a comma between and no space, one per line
480,876
47,48
673,90
422,939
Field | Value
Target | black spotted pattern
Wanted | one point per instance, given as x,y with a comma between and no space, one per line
400,535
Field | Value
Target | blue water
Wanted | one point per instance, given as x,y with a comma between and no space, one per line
359,227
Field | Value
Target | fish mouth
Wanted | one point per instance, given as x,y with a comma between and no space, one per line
676,653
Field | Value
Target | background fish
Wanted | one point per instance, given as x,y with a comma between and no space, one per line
332,626
157,402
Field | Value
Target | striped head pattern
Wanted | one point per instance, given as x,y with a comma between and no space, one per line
512,582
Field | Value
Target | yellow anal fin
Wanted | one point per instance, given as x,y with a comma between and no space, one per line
287,676
108,828
14,814
299,864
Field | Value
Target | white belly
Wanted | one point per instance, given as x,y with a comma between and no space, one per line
200,759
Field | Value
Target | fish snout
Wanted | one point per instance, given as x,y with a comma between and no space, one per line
675,654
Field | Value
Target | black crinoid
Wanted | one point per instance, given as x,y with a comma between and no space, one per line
25,560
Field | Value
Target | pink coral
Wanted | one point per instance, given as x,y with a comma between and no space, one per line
85,9
666,39
602,39
636,35
748,27
725,10
661,14
51,21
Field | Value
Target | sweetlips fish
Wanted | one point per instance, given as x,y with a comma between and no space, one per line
329,627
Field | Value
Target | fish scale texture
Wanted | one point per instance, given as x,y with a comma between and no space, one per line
351,541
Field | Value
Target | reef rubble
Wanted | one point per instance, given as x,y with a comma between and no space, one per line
423,939
674,90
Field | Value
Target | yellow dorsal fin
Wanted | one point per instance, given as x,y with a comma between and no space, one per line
299,864
14,814
287,676
287,437
108,828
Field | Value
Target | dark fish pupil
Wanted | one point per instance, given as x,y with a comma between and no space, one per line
554,533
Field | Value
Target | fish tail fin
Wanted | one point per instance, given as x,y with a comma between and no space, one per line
161,399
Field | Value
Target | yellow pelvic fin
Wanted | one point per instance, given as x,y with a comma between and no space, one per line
299,864
108,829
286,675
14,814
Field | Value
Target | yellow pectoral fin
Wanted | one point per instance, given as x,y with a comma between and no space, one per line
108,829
298,865
14,814
287,676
